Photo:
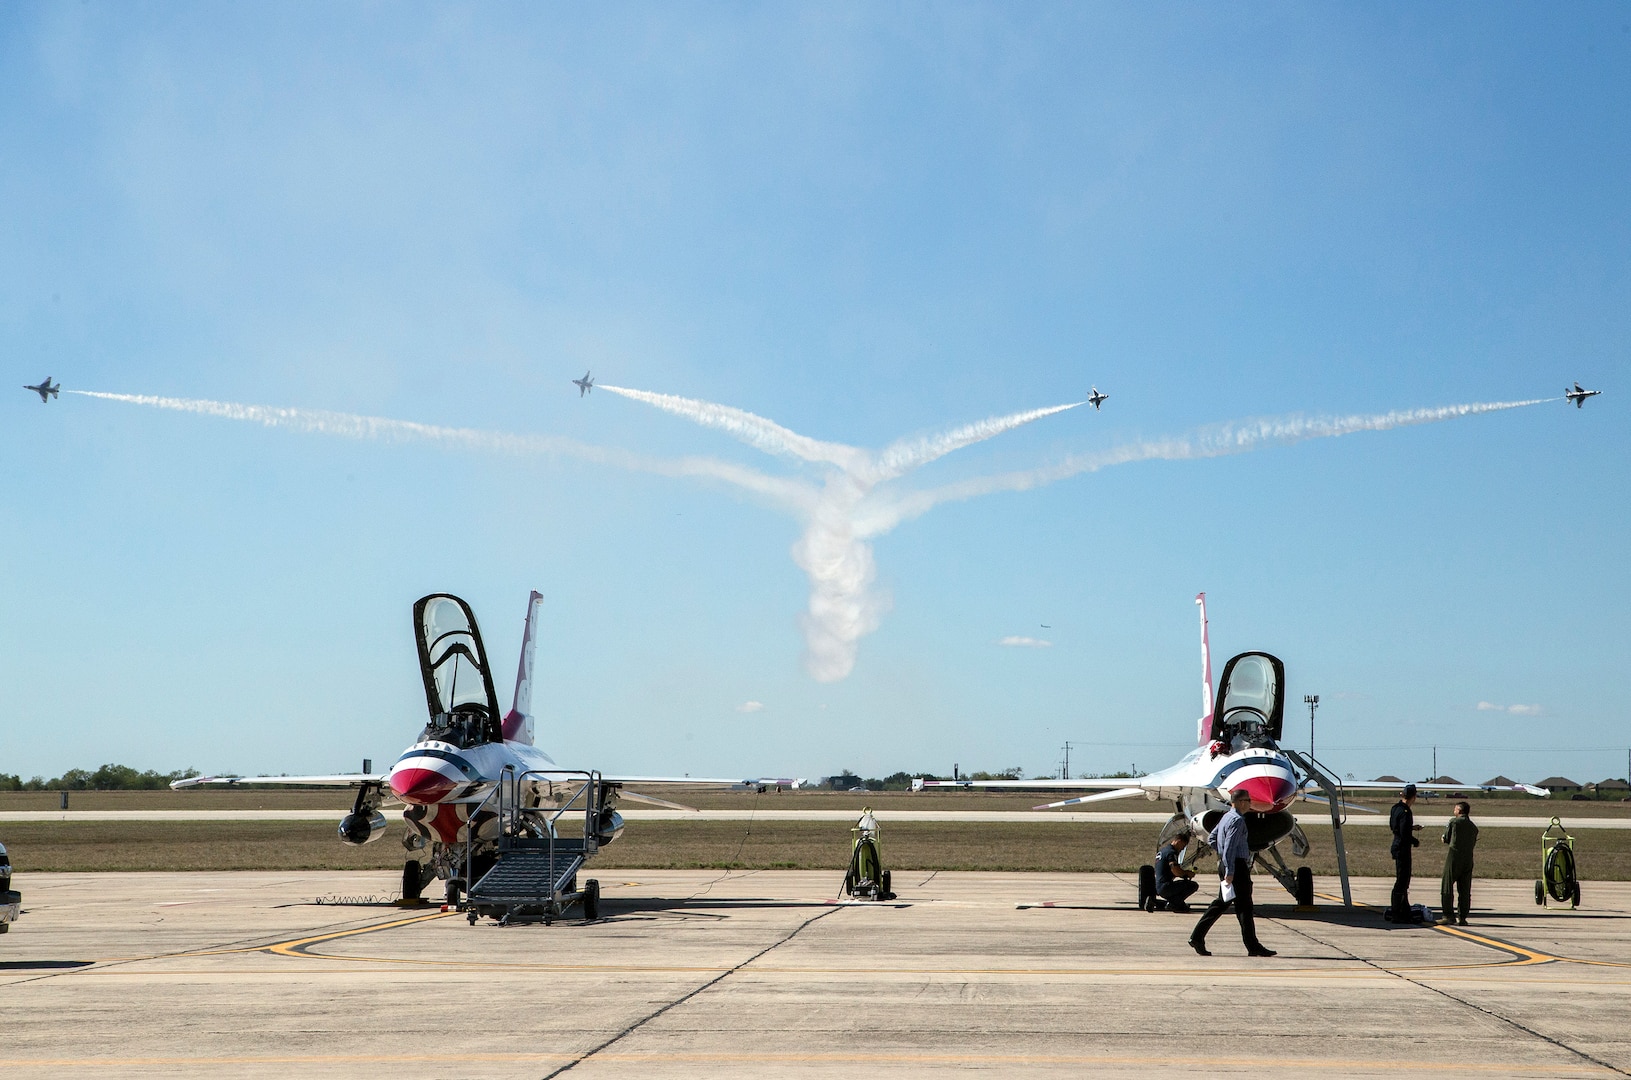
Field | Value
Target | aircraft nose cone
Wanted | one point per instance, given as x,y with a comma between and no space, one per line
1269,792
420,786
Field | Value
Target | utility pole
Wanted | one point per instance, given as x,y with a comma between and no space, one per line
1435,764
1313,702
1065,771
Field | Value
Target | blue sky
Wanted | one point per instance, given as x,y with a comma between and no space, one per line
862,222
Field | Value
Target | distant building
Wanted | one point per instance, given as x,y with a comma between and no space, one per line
1558,783
1450,780
1499,781
1613,785
1387,780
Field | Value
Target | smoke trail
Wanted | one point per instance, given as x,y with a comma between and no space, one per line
902,457
790,494
833,550
754,430
1216,441
859,500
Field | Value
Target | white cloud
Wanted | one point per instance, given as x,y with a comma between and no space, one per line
1017,642
750,706
1515,710
1490,706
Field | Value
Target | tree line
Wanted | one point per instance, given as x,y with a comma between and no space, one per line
105,778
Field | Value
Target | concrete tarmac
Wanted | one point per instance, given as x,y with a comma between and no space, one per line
1510,821
699,973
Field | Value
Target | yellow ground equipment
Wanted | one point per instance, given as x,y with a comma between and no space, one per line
866,878
1557,882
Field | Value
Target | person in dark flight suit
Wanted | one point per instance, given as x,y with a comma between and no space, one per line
1173,884
1461,834
1235,867
1402,820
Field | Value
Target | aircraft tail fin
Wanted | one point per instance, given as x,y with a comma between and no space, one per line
1205,725
518,721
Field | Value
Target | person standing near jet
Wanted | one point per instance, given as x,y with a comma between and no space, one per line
1461,834
1402,820
1235,865
1173,880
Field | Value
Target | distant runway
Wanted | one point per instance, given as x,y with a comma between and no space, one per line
945,816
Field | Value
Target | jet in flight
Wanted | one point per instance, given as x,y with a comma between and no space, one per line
45,390
1239,749
584,384
1097,399
479,797
1578,395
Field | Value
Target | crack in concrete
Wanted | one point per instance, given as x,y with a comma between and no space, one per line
716,980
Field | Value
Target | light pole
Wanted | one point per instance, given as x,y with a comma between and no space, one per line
1313,702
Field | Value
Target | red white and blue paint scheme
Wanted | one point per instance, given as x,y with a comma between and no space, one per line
1238,749
468,746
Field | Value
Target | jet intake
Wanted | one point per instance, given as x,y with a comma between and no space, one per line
358,828
1265,829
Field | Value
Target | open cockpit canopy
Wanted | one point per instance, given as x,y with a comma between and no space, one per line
1251,701
458,680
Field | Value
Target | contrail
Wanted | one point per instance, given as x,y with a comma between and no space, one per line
790,494
754,430
859,499
1216,441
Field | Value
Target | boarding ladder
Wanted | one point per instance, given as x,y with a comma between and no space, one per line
534,867
1334,795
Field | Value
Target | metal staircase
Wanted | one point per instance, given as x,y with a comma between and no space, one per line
533,870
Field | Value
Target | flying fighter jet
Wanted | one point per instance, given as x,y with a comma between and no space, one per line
1097,398
476,790
1578,395
45,390
584,384
1238,749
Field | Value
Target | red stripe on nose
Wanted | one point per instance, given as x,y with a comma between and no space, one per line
1268,792
420,786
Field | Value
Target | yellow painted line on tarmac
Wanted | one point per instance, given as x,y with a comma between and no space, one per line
734,1058
296,947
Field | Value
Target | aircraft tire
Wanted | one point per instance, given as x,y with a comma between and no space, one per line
1146,888
1305,887
1577,894
1540,892
591,899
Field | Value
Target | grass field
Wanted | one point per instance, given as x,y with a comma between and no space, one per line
1604,854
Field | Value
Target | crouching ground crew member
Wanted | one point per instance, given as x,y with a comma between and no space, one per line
1173,884
1461,834
1235,864
1402,820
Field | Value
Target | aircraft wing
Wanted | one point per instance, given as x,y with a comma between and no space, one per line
1043,784
1389,786
333,780
700,781
1103,796
1345,806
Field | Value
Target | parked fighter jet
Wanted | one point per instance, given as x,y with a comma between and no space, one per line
1238,749
473,784
1578,395
584,384
45,390
1097,399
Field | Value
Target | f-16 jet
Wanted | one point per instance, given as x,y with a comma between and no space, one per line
1238,750
45,390
584,384
1578,395
1096,399
491,813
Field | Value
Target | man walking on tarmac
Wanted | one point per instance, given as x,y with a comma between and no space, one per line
1235,865
1402,821
1461,834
